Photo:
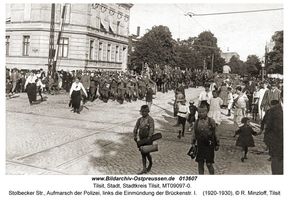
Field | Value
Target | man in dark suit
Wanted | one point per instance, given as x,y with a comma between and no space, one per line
273,135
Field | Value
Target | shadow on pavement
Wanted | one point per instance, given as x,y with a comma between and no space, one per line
39,101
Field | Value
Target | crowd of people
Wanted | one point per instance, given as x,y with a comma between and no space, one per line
105,85
247,98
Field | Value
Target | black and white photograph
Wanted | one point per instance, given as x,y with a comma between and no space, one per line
144,88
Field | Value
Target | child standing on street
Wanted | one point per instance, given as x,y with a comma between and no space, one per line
183,112
192,114
149,97
230,101
215,108
245,138
255,104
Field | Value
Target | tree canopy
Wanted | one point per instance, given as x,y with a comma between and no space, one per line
155,47
253,65
274,58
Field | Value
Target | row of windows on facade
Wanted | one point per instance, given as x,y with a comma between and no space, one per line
63,49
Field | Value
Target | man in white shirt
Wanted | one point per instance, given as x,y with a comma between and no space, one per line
75,95
226,69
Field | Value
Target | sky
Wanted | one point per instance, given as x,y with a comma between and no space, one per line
245,34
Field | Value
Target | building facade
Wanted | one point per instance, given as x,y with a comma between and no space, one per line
228,55
93,36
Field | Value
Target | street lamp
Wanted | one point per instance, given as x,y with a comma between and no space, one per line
263,66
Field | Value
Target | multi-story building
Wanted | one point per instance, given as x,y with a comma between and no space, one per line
228,55
93,36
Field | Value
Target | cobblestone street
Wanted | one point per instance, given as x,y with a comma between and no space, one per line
47,138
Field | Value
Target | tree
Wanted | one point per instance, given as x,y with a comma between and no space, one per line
185,56
237,66
253,65
219,62
274,59
155,47
206,46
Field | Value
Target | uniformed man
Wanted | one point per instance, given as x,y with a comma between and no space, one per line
85,80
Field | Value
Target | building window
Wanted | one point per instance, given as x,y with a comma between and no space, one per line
116,53
63,47
100,51
7,45
120,56
26,43
91,49
108,52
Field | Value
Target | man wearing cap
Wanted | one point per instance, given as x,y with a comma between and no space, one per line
272,127
207,141
144,129
272,94
14,78
85,80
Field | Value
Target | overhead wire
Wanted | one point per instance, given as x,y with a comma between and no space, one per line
191,14
192,18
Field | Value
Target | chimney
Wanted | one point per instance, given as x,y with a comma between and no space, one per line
137,31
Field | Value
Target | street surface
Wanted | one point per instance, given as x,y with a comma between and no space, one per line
47,138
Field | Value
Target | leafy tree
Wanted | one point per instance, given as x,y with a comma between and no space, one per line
237,66
206,46
155,47
253,64
186,56
274,59
219,62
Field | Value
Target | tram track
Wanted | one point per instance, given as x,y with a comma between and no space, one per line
74,140
36,167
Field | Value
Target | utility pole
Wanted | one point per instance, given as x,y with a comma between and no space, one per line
58,38
51,51
212,67
204,64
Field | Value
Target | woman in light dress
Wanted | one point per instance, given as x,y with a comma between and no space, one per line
261,92
240,103
215,108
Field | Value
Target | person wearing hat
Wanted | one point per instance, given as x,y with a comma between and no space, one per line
245,138
205,138
178,97
144,129
271,94
14,78
272,126
75,94
85,80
